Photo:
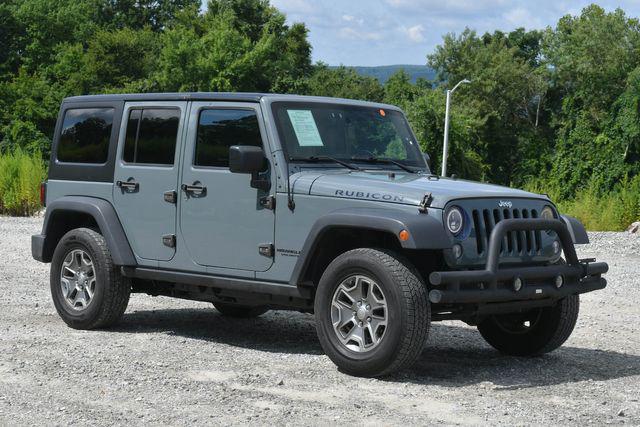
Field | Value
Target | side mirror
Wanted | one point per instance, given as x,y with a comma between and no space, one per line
249,159
245,159
427,159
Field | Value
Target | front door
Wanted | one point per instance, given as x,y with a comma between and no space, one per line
222,220
146,176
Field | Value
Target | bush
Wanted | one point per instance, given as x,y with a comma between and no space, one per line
20,178
598,211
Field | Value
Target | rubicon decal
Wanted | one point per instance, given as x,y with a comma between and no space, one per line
371,196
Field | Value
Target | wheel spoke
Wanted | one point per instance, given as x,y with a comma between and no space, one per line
375,324
71,272
362,287
344,314
345,299
67,287
85,261
356,335
77,259
90,288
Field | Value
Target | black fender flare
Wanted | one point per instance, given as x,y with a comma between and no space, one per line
425,231
576,229
104,215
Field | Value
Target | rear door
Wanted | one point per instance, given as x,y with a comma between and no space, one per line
146,176
222,219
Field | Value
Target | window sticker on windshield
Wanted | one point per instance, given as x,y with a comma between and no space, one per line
304,125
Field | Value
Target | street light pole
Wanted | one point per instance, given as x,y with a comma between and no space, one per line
445,147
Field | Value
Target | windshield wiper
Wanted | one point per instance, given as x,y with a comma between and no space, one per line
387,161
315,159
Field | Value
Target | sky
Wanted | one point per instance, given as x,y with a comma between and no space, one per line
386,32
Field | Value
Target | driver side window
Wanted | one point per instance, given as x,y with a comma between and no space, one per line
219,129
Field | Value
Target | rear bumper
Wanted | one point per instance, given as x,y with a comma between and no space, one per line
493,284
37,247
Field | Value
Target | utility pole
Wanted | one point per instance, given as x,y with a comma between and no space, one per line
445,147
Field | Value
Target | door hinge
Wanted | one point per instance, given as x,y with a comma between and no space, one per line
266,249
425,203
268,202
170,196
169,240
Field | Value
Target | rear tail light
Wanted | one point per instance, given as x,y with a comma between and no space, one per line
43,193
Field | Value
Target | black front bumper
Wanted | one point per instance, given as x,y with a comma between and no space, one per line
494,284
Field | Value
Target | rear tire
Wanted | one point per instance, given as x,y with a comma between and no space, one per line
372,313
88,290
240,311
548,329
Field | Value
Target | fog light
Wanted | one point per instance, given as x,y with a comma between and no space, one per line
556,247
517,284
457,250
559,281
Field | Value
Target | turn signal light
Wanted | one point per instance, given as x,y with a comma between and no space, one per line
403,235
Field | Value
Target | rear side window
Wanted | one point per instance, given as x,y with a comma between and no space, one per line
219,129
151,136
85,135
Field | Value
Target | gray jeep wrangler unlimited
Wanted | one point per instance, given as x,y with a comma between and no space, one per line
255,202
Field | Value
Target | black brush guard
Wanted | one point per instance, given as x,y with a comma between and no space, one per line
578,276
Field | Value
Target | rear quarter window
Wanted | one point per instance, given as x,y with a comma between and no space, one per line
85,135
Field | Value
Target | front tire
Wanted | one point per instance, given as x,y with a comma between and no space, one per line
532,333
372,312
88,291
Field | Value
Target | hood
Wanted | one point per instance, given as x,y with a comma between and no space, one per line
402,188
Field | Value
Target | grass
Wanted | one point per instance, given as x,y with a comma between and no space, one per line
613,211
20,177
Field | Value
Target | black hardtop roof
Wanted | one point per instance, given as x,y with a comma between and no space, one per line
218,96
178,96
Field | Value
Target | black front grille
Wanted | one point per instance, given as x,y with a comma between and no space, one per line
516,243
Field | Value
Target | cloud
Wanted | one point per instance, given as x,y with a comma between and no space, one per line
351,18
439,6
378,32
354,34
415,33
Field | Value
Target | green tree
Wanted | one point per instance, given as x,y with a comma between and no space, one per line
213,52
592,57
138,14
119,59
506,97
399,90
342,82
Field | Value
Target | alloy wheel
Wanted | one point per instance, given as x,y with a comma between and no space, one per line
359,313
78,279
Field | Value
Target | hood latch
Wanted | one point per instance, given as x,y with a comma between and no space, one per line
425,203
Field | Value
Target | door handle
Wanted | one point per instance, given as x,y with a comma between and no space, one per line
195,189
129,186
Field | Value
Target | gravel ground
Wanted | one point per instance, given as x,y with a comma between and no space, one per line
175,362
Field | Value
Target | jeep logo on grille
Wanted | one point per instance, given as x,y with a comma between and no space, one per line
505,204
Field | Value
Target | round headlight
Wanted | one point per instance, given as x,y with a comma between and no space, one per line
455,220
547,213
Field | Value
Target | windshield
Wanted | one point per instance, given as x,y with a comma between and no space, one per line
345,132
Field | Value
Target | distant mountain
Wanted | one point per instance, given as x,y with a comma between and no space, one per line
383,72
